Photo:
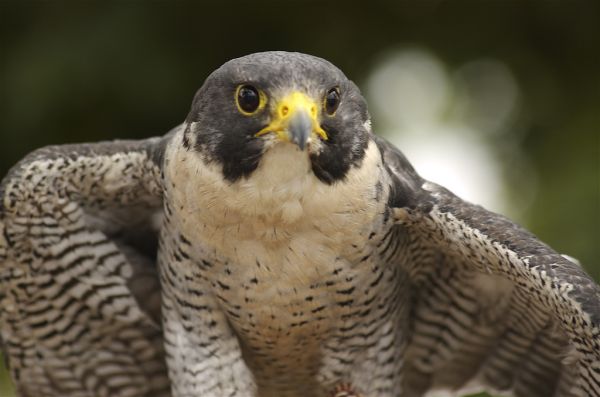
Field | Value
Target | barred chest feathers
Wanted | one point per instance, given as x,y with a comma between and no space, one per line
281,225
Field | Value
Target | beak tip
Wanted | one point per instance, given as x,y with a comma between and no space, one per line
300,129
301,143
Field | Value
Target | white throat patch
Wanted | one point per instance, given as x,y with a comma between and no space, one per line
282,198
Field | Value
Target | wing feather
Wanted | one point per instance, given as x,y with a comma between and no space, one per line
493,307
79,289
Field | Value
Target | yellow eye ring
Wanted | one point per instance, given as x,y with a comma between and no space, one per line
249,99
331,101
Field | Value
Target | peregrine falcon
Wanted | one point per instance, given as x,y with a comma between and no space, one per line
272,245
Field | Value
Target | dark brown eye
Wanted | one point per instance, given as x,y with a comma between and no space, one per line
248,99
332,101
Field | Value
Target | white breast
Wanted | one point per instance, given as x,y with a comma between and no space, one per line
281,199
282,217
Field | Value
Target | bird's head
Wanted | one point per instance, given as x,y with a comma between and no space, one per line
259,101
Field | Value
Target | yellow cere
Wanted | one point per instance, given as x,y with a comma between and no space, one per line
286,109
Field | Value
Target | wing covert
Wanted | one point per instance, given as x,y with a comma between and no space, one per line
78,282
493,305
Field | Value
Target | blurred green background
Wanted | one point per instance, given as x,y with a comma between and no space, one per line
498,100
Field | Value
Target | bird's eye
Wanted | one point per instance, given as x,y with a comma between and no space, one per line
248,99
331,101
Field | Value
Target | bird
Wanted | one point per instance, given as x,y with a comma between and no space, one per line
273,245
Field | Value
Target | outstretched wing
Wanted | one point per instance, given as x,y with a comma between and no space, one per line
493,307
80,299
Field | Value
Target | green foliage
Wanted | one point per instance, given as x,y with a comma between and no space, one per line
6,389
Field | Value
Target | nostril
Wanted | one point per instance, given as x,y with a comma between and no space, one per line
313,111
285,110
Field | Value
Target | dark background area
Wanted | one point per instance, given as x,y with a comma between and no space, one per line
76,72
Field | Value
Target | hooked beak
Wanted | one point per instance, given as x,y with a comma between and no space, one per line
295,120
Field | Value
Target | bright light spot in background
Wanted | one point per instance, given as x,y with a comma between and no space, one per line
489,95
410,89
452,129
